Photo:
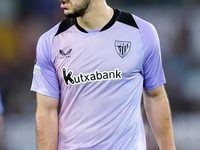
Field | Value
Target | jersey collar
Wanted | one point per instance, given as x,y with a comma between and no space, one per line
107,26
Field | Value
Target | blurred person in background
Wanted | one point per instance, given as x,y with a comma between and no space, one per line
98,62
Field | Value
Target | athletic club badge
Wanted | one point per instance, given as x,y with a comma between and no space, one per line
122,48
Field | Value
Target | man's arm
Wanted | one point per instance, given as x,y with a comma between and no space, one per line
47,122
157,109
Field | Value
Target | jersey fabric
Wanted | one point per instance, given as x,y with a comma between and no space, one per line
99,78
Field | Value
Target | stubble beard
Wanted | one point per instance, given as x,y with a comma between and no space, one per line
79,10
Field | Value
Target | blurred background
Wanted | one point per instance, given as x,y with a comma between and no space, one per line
178,25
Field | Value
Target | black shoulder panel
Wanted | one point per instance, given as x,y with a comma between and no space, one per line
128,19
64,25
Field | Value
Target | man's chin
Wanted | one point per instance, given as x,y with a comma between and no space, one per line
66,12
72,15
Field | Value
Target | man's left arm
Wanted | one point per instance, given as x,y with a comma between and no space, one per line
158,112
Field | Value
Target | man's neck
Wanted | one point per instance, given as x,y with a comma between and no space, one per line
98,15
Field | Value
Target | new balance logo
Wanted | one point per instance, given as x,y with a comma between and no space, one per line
65,54
91,77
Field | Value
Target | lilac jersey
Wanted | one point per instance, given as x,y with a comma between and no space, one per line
99,78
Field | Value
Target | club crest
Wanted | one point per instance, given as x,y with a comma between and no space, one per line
122,48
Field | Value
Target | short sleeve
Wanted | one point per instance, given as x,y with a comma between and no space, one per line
152,69
45,79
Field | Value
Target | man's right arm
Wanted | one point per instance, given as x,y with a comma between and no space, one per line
47,122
